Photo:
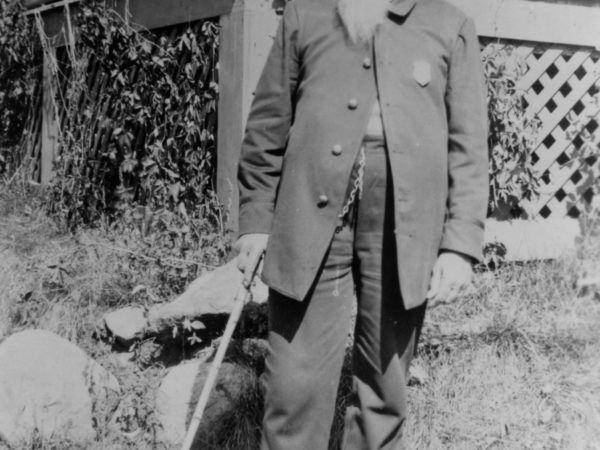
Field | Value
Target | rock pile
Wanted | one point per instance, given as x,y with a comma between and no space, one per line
52,389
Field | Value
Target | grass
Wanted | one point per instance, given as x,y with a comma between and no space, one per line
515,365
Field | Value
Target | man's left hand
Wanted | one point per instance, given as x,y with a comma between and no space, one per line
452,275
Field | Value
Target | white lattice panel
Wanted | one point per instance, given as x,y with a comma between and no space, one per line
562,89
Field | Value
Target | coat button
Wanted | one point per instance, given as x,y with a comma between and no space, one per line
352,103
336,149
323,200
367,63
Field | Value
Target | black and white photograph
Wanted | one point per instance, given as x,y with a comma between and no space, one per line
300,224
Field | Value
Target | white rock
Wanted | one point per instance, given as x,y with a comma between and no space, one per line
126,324
178,394
417,374
123,359
49,384
211,293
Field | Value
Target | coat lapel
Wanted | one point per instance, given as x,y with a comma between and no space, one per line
401,7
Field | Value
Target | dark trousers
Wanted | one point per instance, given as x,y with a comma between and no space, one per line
308,339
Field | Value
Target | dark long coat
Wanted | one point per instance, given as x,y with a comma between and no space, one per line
308,117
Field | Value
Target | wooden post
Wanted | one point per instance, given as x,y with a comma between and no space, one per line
49,138
246,36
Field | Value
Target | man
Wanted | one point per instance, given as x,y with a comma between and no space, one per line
363,170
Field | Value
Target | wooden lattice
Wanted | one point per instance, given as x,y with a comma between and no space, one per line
561,87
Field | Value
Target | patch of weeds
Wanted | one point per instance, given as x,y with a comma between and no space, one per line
28,310
38,442
134,424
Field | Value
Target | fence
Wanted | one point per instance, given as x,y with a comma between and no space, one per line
562,86
557,42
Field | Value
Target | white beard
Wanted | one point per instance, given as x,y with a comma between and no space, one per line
361,18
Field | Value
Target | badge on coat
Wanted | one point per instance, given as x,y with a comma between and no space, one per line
422,72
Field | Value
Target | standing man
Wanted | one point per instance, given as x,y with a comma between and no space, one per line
363,171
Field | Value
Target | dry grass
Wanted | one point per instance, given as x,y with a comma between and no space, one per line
65,283
516,365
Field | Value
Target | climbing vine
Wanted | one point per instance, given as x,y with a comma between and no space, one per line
20,73
512,133
139,120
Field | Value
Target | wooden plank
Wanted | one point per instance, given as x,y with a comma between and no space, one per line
535,21
49,132
527,240
149,14
245,40
29,4
230,120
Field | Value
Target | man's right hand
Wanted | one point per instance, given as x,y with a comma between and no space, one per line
250,248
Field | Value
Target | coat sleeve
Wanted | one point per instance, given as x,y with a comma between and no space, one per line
267,129
467,147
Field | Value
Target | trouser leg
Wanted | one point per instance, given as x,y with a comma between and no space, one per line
386,334
307,346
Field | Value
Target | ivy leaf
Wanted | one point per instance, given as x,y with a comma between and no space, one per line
198,325
174,190
193,339
138,288
146,47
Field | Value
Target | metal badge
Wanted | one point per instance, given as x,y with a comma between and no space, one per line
422,72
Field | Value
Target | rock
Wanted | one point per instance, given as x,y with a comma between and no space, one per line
178,394
417,375
50,385
211,293
126,324
123,360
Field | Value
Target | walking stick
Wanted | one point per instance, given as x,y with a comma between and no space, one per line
242,297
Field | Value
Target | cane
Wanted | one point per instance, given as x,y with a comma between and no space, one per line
242,297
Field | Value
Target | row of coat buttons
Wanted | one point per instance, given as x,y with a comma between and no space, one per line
353,103
323,200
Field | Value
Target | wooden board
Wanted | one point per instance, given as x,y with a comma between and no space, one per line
149,14
246,36
49,133
527,240
537,21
